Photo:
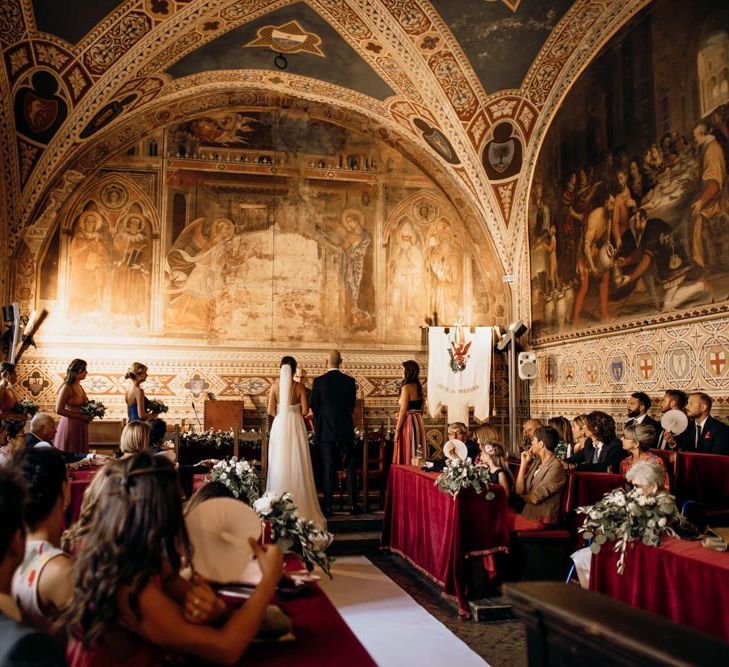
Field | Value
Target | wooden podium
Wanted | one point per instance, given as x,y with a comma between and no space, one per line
223,415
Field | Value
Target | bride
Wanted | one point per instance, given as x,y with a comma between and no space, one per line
289,462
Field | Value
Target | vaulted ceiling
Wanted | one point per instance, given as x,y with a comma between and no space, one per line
81,80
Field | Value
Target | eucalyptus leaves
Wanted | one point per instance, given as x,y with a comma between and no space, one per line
624,516
460,475
292,533
93,409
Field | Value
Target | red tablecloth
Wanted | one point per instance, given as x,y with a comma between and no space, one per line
679,580
323,639
78,480
437,533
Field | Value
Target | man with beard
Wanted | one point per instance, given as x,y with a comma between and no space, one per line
675,399
639,404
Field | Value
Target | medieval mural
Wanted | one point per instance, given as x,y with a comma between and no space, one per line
629,207
266,226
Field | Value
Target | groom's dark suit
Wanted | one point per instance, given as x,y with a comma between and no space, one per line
333,398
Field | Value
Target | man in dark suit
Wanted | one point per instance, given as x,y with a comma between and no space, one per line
333,397
42,432
602,452
710,435
639,404
675,399
20,645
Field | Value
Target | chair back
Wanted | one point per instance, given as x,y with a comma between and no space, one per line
670,460
703,477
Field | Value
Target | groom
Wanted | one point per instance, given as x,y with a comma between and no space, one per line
333,398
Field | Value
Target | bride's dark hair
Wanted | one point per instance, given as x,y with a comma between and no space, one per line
138,526
290,361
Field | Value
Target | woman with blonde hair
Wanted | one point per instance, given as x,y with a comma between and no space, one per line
73,428
493,455
134,438
137,402
578,433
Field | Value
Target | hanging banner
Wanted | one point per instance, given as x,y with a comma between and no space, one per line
459,371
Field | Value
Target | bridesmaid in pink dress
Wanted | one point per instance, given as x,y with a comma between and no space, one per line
73,429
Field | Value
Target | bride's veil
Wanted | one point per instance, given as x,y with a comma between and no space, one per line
284,389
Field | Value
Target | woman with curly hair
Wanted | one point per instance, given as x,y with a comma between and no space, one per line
409,428
493,455
602,452
130,605
12,440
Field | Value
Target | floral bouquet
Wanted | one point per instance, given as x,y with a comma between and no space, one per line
26,407
293,534
460,475
561,450
211,437
239,476
156,407
624,516
93,409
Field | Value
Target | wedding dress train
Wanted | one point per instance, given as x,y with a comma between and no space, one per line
289,461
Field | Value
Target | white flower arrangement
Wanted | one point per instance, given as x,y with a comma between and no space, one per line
156,407
26,407
625,516
93,409
460,475
217,439
291,533
239,476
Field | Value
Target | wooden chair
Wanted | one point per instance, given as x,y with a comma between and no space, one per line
375,466
105,435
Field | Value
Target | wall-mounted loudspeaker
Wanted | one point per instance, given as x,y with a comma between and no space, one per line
527,365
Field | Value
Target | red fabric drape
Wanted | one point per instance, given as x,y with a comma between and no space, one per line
79,481
703,477
437,533
679,580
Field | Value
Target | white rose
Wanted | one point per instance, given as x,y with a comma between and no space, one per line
641,500
620,501
662,521
263,505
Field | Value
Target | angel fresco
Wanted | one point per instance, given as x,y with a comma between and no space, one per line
195,269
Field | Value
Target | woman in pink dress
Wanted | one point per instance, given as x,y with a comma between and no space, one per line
73,429
409,429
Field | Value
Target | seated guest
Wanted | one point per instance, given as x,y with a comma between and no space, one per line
458,431
528,430
12,438
73,537
42,432
493,455
637,440
709,435
8,399
639,404
647,476
564,430
540,482
157,433
675,399
20,645
130,605
42,584
134,438
602,451
578,433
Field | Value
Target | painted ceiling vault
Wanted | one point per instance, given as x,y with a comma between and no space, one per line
465,89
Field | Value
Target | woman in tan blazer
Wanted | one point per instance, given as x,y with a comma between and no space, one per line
539,484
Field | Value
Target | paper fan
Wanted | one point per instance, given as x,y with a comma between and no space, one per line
219,529
455,450
674,421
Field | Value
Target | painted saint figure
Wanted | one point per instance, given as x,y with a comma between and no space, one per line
88,262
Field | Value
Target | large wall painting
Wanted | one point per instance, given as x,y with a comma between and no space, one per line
629,207
256,226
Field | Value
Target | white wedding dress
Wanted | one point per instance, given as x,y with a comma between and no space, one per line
289,462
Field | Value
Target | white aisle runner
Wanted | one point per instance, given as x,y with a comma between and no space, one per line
394,628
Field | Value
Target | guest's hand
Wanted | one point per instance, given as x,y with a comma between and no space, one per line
201,604
670,439
270,559
526,456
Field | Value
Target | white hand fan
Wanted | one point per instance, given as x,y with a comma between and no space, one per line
455,450
219,529
674,421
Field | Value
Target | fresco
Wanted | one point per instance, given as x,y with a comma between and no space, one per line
630,202
264,226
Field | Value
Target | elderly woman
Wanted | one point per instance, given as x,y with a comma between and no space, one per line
648,476
637,440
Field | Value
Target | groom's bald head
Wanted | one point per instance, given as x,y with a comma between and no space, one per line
335,359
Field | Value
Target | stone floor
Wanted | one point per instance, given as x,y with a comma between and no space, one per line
501,644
